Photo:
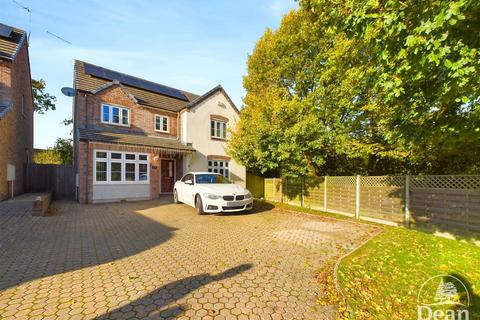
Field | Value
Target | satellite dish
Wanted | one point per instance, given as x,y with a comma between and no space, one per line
69,92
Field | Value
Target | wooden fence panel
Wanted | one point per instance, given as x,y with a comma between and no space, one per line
341,194
314,192
49,177
448,207
383,197
292,191
256,185
273,189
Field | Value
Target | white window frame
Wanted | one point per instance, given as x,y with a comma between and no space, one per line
161,123
110,114
223,129
123,161
211,168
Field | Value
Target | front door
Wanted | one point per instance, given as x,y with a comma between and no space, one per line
167,178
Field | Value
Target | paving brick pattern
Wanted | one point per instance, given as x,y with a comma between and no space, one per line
158,260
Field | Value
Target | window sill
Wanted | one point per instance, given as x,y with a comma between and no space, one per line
116,183
160,131
218,139
116,124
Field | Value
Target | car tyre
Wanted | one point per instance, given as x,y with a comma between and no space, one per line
199,205
175,197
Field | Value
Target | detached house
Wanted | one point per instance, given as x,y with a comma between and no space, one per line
134,138
16,111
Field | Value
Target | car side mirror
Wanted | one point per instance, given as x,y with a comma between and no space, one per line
190,182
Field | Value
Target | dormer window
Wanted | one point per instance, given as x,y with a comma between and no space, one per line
115,115
161,123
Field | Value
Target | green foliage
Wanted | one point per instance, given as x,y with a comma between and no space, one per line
48,156
42,101
61,153
64,149
346,87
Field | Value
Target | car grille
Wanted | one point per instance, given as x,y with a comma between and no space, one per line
228,198
233,207
240,197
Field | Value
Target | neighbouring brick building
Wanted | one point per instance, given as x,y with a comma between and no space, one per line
134,138
16,111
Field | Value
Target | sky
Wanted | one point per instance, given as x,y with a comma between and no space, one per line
190,45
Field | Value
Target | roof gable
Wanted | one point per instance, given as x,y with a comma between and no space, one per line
113,84
11,44
209,94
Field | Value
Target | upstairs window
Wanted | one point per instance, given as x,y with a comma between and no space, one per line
115,115
161,123
218,129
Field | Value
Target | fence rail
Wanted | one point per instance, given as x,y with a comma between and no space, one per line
446,202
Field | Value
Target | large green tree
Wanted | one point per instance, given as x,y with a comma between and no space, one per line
42,100
364,87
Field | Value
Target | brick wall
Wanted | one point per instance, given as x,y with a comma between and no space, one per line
141,118
16,128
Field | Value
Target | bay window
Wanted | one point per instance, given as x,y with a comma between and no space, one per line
120,167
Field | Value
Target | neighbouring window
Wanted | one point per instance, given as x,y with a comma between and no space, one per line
115,115
121,167
161,123
219,166
218,129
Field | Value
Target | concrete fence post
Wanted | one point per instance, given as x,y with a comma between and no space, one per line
357,197
407,201
325,194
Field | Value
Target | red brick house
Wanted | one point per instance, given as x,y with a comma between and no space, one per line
134,138
16,111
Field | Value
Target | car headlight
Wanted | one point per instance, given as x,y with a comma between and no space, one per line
248,195
211,196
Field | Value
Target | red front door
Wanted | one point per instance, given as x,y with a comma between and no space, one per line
167,178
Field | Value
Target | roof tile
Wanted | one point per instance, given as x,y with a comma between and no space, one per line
116,137
90,83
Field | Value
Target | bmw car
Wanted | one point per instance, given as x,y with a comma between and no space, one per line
211,192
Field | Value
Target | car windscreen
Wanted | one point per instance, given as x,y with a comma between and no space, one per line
210,178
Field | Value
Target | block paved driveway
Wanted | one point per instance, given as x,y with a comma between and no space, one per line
158,260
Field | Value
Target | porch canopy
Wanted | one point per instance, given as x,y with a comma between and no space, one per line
143,142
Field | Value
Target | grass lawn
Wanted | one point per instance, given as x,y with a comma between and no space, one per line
381,280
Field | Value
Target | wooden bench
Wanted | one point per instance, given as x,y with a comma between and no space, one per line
41,204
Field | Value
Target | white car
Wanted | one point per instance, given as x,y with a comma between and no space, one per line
211,192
